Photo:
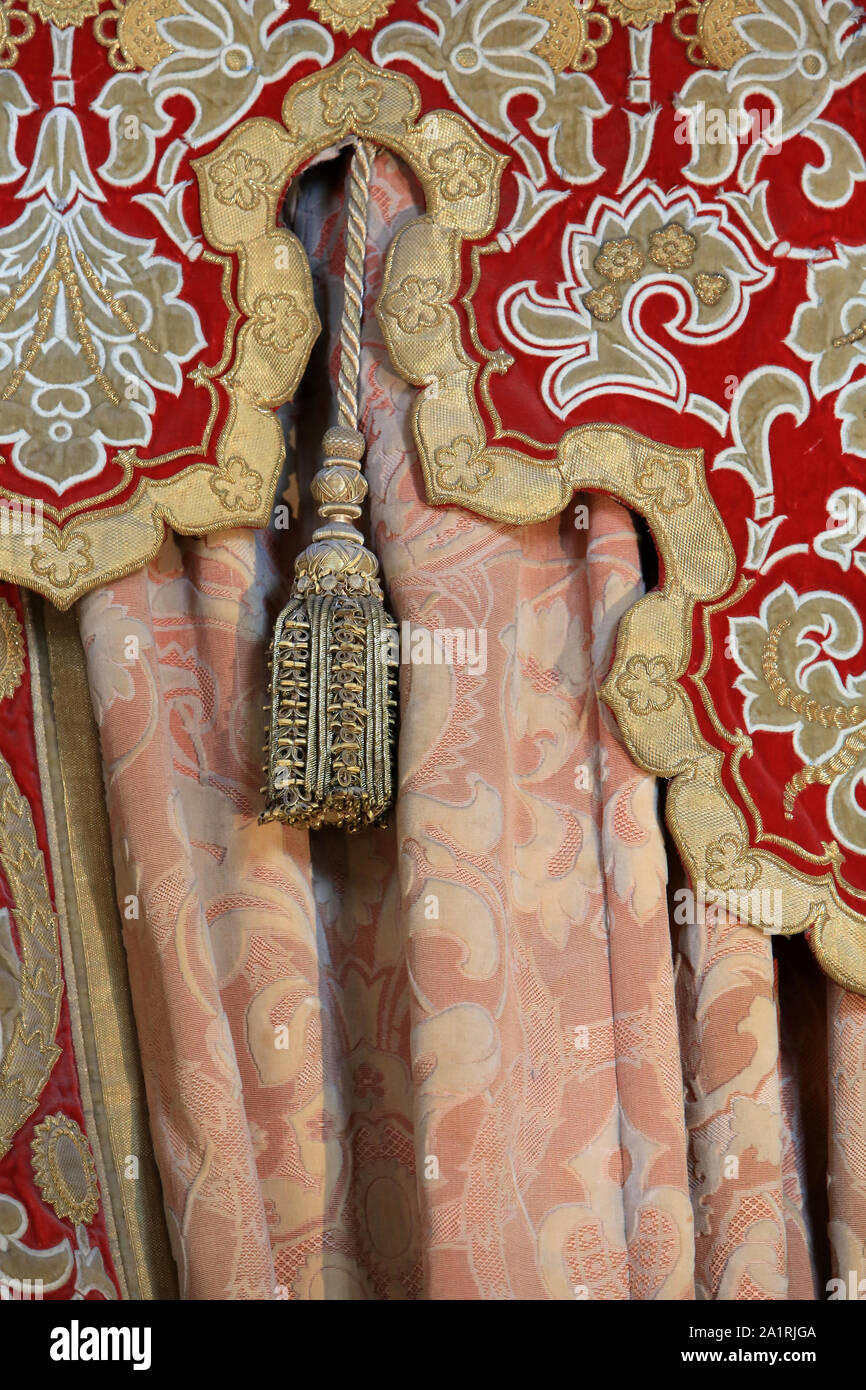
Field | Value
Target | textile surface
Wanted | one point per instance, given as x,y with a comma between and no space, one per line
462,1057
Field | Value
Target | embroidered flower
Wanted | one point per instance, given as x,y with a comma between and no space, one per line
460,467
416,304
239,180
603,304
730,866
463,172
620,260
237,486
665,482
710,288
639,13
647,684
279,321
351,96
62,557
672,247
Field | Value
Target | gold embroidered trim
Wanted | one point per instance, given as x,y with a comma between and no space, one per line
240,185
707,29
128,30
115,541
31,1051
97,981
710,830
348,16
828,716
64,13
11,650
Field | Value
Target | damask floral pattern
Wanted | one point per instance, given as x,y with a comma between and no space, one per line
443,1060
412,1065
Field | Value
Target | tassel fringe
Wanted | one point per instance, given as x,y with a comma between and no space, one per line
333,690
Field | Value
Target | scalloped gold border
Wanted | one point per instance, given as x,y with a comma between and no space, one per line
241,182
711,832
418,318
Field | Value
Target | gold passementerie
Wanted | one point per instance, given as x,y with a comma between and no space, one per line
333,687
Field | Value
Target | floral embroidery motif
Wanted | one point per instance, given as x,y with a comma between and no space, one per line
604,304
570,45
647,684
647,240
238,486
348,16
673,248
729,865
64,12
620,260
462,171
484,52
461,466
278,321
416,304
639,13
128,30
803,53
62,557
665,482
788,657
827,332
351,96
239,180
707,29
710,288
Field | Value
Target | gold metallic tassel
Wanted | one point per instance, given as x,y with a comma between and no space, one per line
333,657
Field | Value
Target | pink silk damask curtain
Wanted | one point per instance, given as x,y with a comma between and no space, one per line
473,1055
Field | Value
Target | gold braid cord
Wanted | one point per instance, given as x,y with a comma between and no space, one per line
357,206
330,748
812,712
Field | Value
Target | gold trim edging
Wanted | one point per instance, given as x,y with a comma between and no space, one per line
97,547
241,184
31,1051
98,962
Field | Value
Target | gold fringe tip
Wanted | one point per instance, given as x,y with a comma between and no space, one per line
333,667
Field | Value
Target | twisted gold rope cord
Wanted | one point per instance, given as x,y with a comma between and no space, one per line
353,284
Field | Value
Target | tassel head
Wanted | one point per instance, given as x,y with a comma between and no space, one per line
332,706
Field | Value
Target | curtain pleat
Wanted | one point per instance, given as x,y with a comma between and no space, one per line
460,1057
